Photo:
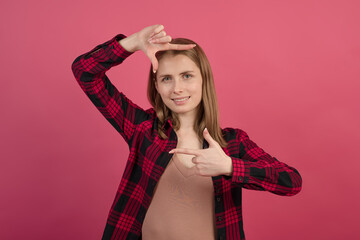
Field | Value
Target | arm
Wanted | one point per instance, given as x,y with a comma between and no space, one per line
89,70
257,170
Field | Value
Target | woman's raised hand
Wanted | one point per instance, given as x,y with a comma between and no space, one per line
151,40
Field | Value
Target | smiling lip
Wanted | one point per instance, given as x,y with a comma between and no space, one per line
179,98
181,102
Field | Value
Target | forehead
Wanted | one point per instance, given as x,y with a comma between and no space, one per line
172,64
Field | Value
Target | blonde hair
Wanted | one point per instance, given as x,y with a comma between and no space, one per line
207,114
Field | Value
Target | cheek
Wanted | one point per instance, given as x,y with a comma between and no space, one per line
163,91
197,89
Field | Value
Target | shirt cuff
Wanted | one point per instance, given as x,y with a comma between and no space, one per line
111,49
117,48
241,171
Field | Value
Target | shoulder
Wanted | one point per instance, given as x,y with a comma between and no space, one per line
151,112
237,134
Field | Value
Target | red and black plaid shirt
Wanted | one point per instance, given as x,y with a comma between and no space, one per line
253,168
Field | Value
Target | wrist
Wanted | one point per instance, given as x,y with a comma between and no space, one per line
130,43
229,169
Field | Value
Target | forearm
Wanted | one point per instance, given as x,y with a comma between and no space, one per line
255,169
100,59
131,43
267,174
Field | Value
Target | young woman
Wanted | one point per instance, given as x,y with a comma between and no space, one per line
184,175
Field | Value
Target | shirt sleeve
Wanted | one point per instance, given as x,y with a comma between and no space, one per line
257,170
89,70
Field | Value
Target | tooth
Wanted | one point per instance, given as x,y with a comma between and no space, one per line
181,99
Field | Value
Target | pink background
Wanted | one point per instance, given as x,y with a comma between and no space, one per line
286,72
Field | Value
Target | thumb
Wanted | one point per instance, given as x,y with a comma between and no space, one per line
208,137
154,63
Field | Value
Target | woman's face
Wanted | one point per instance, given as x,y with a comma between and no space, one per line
179,83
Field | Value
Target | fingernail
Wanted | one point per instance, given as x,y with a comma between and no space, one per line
154,70
205,130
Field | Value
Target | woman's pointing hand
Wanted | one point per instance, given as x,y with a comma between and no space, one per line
211,161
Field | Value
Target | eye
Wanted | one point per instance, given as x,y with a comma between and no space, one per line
187,76
165,79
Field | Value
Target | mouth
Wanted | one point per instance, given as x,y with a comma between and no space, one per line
180,100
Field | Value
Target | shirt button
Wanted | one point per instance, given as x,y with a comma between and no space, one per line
219,219
112,47
218,199
240,178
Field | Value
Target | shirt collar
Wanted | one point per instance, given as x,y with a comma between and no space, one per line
167,124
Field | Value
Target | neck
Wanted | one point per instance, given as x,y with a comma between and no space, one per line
187,121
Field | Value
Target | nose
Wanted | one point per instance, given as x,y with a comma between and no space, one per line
178,86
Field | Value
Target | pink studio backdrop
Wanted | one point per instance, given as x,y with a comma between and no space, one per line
286,72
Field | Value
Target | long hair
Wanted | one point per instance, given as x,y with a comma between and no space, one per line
207,114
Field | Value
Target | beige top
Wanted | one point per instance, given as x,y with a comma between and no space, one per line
182,207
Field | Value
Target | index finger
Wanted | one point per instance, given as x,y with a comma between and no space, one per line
181,46
186,151
157,29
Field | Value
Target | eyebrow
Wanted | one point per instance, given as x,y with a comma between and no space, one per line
165,75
